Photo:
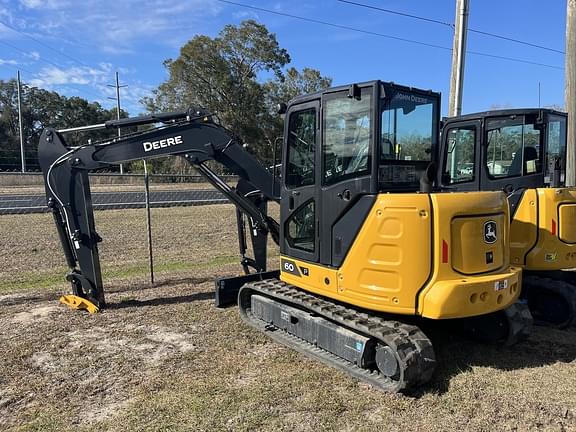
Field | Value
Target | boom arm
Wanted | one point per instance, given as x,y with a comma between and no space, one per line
192,135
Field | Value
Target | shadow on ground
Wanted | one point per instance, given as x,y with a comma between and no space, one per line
161,301
456,354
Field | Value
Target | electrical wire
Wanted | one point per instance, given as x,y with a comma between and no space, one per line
68,85
421,18
48,62
44,44
387,36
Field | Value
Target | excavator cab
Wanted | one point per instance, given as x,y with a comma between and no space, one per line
523,153
335,163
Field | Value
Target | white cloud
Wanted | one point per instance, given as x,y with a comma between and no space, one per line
51,76
34,55
8,62
43,4
242,14
116,26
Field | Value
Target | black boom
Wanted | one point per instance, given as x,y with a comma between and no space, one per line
192,135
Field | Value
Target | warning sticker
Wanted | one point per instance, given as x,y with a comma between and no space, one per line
500,285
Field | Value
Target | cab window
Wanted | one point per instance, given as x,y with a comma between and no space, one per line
347,136
459,161
407,129
556,146
513,149
301,148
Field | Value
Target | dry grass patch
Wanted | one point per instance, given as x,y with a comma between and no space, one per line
163,358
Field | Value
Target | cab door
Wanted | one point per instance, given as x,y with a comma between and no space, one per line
299,200
461,156
348,131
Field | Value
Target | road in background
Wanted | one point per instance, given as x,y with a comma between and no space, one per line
18,204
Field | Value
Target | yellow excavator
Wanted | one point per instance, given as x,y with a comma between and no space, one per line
523,153
368,250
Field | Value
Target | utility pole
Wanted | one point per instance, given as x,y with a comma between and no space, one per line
118,86
570,91
22,155
458,57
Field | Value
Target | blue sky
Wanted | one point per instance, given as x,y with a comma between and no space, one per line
75,47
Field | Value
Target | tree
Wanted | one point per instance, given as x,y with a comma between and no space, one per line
278,91
42,109
224,75
220,74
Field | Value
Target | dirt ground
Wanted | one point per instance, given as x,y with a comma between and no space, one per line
164,358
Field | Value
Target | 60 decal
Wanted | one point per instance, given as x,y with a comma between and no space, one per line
289,266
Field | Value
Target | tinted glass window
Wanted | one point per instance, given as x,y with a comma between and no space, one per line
513,150
347,136
407,129
459,164
301,148
300,232
556,146
408,138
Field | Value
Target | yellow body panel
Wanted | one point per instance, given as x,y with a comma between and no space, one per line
524,227
393,266
546,219
468,256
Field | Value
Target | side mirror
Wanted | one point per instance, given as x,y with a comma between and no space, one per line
445,179
427,179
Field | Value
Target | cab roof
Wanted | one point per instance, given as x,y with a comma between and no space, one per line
503,113
317,95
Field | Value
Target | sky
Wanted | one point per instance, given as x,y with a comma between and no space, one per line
75,47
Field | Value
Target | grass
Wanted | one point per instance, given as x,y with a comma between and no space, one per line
162,358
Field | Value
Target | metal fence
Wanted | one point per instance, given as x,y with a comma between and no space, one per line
24,193
194,233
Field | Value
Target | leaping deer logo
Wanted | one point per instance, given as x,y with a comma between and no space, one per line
490,232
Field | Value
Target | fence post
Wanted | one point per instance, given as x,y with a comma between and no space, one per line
148,221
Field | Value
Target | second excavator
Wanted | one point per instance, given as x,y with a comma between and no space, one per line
523,153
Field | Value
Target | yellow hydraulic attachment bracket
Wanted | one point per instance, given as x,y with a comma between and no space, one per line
76,302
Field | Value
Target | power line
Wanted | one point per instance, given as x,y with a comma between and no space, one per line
44,44
97,96
471,30
26,53
517,41
398,13
49,62
387,36
344,27
67,85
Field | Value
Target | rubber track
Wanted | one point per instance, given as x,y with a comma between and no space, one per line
559,287
519,323
414,352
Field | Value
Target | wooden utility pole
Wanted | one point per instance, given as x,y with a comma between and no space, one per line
570,91
458,57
